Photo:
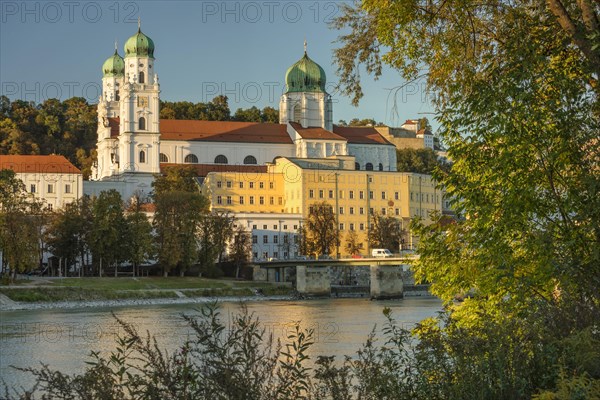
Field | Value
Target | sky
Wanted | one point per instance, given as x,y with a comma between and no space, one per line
241,49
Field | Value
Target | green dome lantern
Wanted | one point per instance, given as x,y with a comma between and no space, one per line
139,45
305,76
113,66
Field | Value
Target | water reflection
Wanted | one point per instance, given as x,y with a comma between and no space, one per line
64,338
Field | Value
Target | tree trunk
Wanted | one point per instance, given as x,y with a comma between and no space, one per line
181,272
165,273
100,271
115,270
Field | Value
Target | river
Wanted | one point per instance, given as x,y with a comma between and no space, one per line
64,338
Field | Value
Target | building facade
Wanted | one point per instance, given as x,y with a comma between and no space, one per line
51,178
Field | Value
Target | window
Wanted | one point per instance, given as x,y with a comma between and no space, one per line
261,185
271,200
250,160
265,238
380,166
295,227
241,200
32,188
229,201
271,185
321,194
382,195
275,239
341,210
275,254
397,211
361,227
351,210
265,255
221,159
369,167
331,194
251,199
141,78
254,239
284,226
275,227
411,196
397,196
265,226
255,255
142,157
361,195
280,201
361,210
351,227
371,194
229,184
383,211
261,200
251,185
162,157
356,166
241,185
219,184
50,188
142,124
219,200
254,226
371,210
341,226
67,188
311,193
191,159
49,207
351,194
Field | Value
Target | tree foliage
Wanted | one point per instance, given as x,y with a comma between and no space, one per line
321,234
420,161
52,127
385,232
515,86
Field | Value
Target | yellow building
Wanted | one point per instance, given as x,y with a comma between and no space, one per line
290,186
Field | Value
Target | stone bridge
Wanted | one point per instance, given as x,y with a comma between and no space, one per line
383,276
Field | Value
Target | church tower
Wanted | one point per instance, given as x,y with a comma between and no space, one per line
305,100
139,129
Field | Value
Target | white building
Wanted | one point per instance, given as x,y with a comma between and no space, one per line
134,144
50,178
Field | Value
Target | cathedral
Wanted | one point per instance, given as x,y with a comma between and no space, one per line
134,144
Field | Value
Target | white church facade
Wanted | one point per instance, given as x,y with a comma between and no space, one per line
134,144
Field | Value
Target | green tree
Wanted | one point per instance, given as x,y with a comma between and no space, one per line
240,248
516,90
385,232
421,161
321,234
139,236
215,231
352,244
108,234
19,238
179,209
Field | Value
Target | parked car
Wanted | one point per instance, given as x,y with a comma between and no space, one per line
381,253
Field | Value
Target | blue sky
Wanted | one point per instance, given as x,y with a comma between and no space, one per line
238,48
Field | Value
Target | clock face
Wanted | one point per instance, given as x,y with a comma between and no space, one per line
142,101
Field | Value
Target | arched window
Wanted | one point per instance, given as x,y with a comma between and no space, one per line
297,113
163,158
250,160
142,124
369,167
380,166
221,159
191,159
142,156
141,78
356,166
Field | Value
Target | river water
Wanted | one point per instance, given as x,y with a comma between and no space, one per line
64,338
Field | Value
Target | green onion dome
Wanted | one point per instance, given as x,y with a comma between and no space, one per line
113,66
305,76
139,45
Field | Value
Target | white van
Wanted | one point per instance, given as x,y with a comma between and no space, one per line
381,253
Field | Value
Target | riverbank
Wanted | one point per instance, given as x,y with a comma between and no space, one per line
75,293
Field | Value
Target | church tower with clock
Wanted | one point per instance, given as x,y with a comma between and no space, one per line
128,116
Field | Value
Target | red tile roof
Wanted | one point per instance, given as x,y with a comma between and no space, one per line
360,134
315,132
52,164
205,169
223,131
